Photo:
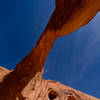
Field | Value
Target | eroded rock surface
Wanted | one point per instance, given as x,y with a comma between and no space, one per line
40,89
3,73
25,81
50,90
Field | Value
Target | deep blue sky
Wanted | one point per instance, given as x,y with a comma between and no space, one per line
74,59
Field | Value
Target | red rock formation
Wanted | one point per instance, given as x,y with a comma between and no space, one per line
3,73
69,15
39,89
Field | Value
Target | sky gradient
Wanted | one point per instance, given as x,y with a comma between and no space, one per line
74,59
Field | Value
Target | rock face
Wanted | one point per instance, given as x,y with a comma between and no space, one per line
3,73
25,81
40,89
50,90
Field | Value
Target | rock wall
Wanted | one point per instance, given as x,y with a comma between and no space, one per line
40,89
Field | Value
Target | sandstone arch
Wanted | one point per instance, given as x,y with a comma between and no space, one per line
25,81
